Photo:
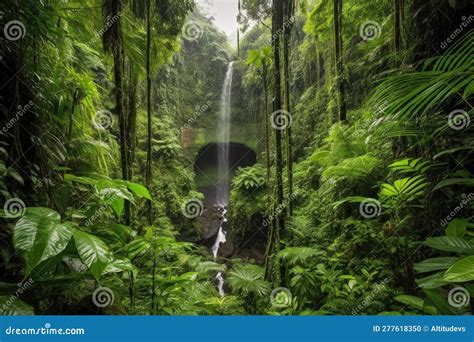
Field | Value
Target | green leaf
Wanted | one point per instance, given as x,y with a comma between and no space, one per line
435,264
40,235
389,313
136,247
210,266
117,205
93,252
413,301
409,165
461,271
454,181
121,231
410,188
429,309
119,265
12,306
139,190
83,180
450,244
12,172
432,281
439,300
456,228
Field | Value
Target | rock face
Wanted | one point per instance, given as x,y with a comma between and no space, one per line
210,220
251,248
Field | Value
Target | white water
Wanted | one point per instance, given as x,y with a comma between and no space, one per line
223,135
223,182
220,236
220,283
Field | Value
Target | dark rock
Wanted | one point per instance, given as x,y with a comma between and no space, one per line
210,221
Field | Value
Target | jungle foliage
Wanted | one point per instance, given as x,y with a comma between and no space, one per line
364,197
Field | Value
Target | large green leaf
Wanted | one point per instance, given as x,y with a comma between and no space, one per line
457,228
432,281
139,190
461,271
415,302
410,165
40,235
12,306
439,300
93,252
119,265
136,247
435,264
117,205
410,187
413,94
454,181
450,244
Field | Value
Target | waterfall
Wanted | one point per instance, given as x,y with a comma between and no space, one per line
220,235
223,183
223,180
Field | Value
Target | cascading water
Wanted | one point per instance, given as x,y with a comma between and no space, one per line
223,133
223,183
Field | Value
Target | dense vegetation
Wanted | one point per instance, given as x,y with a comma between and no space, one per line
360,201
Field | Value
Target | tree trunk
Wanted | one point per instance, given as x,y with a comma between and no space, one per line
119,97
132,119
397,10
148,174
266,119
148,144
339,72
318,66
279,217
286,77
